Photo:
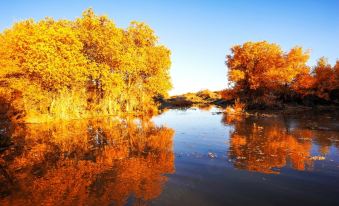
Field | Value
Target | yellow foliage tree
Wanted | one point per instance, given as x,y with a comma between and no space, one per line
82,68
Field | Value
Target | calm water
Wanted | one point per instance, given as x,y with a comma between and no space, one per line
192,157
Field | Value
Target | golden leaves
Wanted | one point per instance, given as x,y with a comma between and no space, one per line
263,74
109,68
264,64
321,82
236,75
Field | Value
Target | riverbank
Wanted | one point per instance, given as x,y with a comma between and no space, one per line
208,99
201,99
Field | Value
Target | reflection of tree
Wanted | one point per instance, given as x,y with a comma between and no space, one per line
206,107
267,144
86,163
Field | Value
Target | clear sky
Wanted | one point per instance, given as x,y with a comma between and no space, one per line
200,33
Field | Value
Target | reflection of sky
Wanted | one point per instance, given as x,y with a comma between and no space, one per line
196,130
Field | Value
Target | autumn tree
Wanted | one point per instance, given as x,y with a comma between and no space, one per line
321,83
325,79
304,85
261,72
335,92
61,69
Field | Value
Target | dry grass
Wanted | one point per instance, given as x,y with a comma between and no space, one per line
237,108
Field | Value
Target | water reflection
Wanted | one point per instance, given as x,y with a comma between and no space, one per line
92,162
268,144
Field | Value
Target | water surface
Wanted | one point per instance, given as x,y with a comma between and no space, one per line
181,157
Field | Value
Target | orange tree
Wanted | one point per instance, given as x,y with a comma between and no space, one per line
322,82
261,72
325,79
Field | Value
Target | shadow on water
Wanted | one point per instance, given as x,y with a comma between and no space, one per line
92,162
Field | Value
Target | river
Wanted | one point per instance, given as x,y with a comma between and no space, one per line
180,157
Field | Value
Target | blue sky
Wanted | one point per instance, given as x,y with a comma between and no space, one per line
200,33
